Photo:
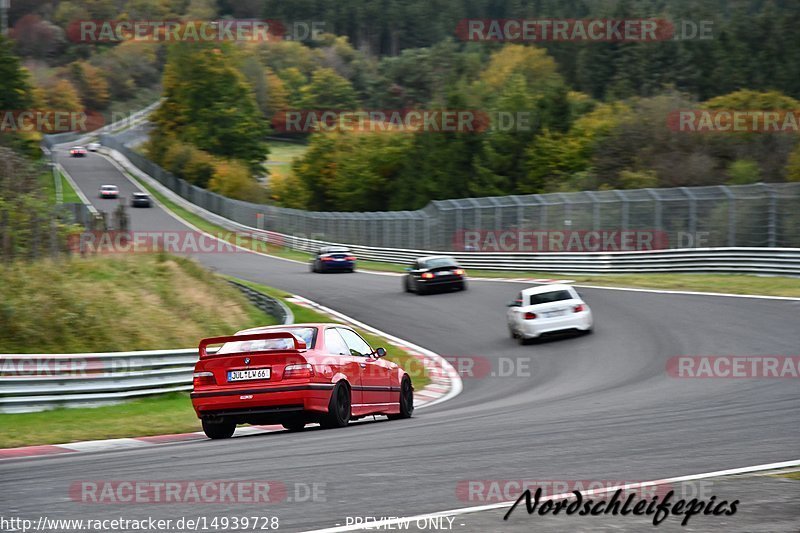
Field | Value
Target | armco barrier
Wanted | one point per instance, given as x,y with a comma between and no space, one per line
270,306
38,382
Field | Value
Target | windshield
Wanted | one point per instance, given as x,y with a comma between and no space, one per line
547,297
306,334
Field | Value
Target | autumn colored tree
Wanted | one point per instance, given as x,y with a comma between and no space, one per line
209,104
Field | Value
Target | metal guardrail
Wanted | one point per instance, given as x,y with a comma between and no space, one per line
269,305
39,382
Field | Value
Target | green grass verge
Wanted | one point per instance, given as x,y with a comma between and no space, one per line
789,475
117,303
68,193
159,415
69,196
727,283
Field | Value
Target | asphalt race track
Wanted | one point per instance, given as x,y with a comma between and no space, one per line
594,407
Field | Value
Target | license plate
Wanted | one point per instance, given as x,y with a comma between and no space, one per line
553,313
444,273
251,373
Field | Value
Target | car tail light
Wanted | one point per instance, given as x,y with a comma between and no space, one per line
298,371
578,308
530,316
427,275
203,378
326,258
351,258
458,272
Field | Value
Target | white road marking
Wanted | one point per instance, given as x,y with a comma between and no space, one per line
386,523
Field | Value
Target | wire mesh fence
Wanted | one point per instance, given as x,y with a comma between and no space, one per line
758,215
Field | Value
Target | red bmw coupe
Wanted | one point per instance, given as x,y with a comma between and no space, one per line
295,375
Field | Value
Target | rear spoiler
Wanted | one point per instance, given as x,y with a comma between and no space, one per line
205,343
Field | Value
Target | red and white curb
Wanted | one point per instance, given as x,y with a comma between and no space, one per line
445,381
445,384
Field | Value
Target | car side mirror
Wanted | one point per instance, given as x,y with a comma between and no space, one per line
408,269
379,352
514,303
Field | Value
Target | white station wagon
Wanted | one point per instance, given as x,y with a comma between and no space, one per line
546,309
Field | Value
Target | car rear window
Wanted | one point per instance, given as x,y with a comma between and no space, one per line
306,334
547,297
439,262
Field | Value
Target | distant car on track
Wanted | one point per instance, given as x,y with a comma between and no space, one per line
78,151
140,199
93,147
334,259
109,191
294,375
434,272
546,309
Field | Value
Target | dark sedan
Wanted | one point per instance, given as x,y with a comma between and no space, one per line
334,259
434,272
140,199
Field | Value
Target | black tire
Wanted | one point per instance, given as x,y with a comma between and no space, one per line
406,400
294,425
512,332
406,285
422,290
339,409
219,430
463,286
524,341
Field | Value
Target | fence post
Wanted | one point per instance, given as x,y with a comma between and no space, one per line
657,222
692,212
772,224
731,215
624,215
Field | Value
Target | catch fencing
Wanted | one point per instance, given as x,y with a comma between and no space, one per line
758,215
